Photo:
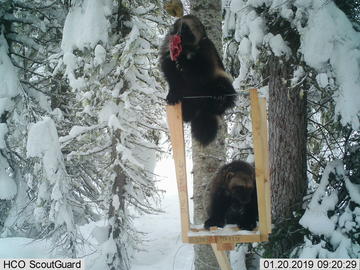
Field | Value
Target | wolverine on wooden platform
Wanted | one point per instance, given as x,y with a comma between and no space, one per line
233,198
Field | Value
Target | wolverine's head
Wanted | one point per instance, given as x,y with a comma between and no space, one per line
241,183
190,29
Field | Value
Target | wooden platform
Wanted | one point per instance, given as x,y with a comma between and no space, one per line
222,237
225,239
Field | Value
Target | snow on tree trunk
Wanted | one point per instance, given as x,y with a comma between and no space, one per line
54,207
8,90
287,141
207,160
118,259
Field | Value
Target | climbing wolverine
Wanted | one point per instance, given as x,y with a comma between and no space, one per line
196,77
233,198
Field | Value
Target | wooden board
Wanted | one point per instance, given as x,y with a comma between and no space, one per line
199,240
260,137
222,258
225,246
175,123
259,127
265,132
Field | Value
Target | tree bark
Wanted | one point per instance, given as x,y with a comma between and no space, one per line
287,141
119,259
207,160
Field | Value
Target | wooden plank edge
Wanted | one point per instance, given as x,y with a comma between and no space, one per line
200,240
214,229
225,246
176,130
265,134
260,170
222,258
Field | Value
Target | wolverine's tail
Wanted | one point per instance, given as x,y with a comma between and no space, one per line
204,127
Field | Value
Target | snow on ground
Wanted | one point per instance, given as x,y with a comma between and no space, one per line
26,248
163,249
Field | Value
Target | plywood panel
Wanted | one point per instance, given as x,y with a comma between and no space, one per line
265,134
176,128
222,258
260,166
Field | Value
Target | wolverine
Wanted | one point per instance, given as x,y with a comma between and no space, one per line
233,198
196,77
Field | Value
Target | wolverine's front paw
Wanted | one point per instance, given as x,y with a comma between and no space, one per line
248,226
172,99
211,222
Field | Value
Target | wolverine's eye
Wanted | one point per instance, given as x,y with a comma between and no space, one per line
229,175
174,30
238,189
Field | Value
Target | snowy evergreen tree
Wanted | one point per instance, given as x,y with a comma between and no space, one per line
294,30
32,30
82,112
332,217
9,90
109,58
53,213
85,132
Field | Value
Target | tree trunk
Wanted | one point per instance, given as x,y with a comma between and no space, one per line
287,133
207,160
119,259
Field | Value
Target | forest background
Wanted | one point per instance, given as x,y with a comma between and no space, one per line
82,123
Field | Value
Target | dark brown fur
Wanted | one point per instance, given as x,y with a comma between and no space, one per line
198,72
233,198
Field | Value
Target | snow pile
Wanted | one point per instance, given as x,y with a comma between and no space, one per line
278,45
9,88
329,43
43,143
70,60
334,230
10,85
17,247
8,188
164,248
315,218
109,108
3,132
85,26
249,31
354,191
100,55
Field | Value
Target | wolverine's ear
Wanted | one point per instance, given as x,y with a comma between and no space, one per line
174,8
